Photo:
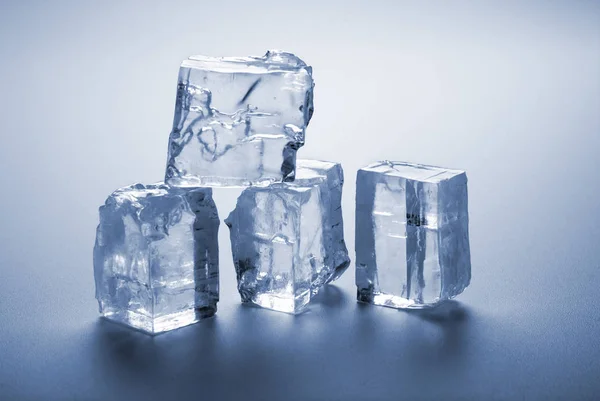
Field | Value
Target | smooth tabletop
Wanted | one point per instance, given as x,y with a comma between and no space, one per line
507,91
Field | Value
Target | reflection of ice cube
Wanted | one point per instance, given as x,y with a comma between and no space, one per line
412,234
156,257
288,238
239,121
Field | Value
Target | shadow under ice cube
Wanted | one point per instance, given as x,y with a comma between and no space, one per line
239,120
412,234
287,239
156,257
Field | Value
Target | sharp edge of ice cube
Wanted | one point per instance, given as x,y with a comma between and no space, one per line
273,60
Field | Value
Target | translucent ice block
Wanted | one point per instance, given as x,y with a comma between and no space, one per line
156,257
412,234
239,121
288,238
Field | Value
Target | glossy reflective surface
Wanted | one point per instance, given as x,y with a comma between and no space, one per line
509,93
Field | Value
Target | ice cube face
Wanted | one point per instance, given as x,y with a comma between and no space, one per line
239,121
328,177
287,239
412,234
156,257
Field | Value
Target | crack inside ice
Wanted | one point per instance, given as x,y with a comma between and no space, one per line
239,121
156,257
288,238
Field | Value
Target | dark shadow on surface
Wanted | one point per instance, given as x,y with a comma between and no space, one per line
330,296
251,345
255,320
117,347
447,312
179,360
119,353
451,322
434,339
121,341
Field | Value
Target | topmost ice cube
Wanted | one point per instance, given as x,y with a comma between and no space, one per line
239,120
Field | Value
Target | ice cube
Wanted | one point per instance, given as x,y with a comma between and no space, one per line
412,234
239,121
156,257
288,238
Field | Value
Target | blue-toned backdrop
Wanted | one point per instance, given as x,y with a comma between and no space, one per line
509,91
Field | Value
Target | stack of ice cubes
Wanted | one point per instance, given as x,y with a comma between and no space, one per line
238,122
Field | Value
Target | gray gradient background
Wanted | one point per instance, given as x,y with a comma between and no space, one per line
507,90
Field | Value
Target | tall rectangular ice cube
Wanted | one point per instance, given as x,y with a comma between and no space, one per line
239,120
412,234
288,238
156,262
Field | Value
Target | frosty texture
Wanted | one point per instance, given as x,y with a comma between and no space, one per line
288,238
156,257
239,121
412,234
